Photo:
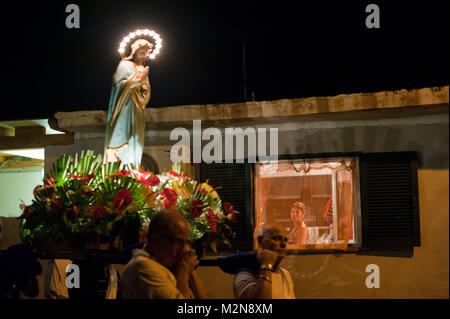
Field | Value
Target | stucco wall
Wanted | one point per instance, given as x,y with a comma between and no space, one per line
425,275
405,120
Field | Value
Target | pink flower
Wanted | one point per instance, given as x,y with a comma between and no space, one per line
212,220
99,212
121,201
196,208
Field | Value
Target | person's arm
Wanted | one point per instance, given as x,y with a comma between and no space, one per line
197,286
261,288
303,234
183,271
182,278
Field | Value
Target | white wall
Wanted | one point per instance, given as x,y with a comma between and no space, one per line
17,185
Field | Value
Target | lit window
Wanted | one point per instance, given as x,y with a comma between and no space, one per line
315,200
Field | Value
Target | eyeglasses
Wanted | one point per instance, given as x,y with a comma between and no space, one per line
177,243
280,238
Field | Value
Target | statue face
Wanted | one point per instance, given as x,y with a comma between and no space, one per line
142,53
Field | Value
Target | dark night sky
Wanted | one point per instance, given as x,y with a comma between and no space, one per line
293,49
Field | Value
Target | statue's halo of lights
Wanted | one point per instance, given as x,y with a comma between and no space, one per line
141,32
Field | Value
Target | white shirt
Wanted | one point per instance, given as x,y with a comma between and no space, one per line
145,278
282,284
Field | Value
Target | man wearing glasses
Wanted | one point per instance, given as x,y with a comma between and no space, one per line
270,281
147,274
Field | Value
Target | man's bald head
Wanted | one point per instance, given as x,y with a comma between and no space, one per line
168,237
268,228
271,236
167,222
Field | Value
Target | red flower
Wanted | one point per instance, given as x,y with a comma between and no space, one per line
143,237
171,197
99,212
83,178
228,207
27,211
212,220
196,208
230,211
154,181
36,189
121,173
87,178
122,200
56,204
175,174
50,182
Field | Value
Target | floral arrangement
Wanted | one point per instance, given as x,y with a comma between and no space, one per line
84,202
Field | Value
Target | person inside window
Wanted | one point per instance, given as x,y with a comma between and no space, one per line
299,233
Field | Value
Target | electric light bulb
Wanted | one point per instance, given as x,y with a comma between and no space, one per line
151,33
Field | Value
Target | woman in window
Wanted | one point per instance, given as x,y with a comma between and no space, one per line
298,234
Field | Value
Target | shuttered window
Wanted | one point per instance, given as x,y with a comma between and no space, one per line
234,182
389,200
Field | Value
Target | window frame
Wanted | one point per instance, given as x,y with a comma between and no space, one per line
357,221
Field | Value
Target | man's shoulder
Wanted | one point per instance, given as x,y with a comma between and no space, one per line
286,273
141,259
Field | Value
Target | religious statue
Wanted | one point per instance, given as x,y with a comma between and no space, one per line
125,127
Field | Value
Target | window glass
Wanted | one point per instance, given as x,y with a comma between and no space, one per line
314,200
